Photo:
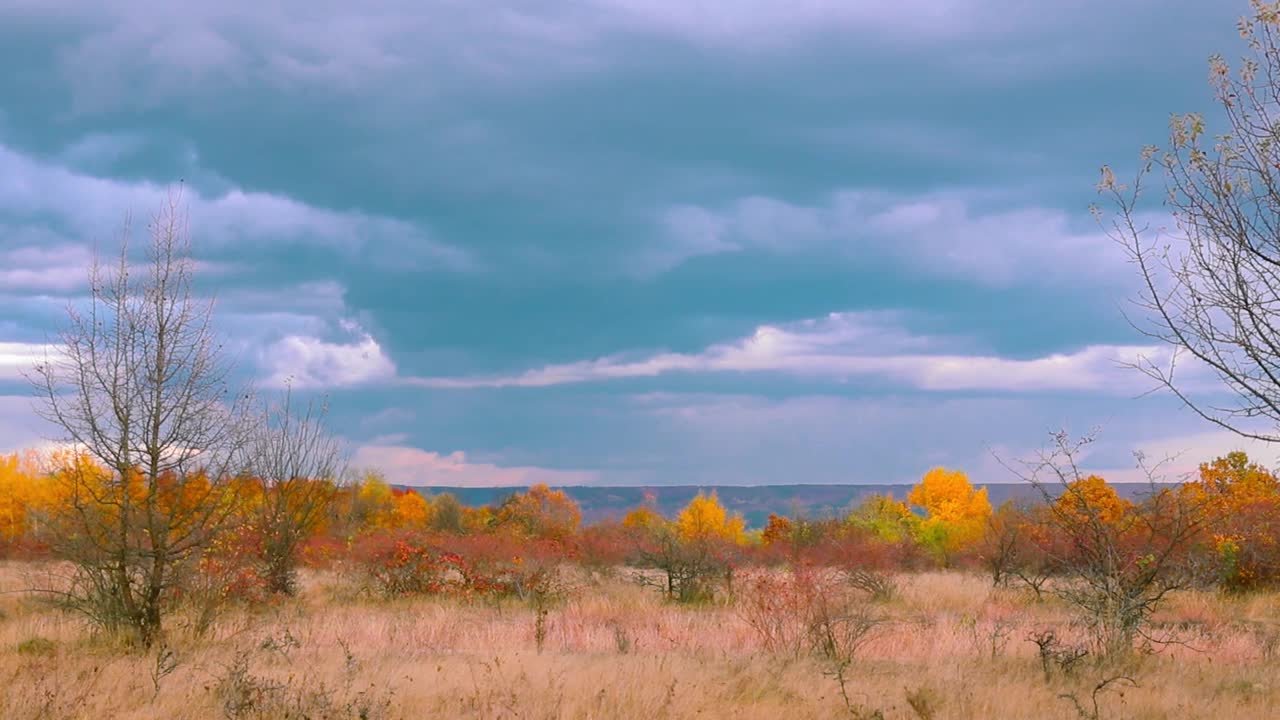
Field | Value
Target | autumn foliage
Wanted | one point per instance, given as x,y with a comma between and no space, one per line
403,541
1241,539
956,514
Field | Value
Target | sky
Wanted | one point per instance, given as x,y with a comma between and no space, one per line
628,242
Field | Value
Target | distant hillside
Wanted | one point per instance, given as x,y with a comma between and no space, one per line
754,502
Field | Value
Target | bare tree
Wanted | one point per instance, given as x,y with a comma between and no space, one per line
1211,284
1009,549
1115,571
691,569
298,466
138,386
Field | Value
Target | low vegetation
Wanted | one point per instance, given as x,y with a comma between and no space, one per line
402,605
802,645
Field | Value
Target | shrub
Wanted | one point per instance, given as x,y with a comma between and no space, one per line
779,605
321,551
604,546
693,570
486,566
394,564
805,610
37,647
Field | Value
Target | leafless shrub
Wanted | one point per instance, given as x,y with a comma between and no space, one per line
779,606
810,610
1267,637
1034,577
242,694
246,695
621,640
924,702
282,645
166,662
994,640
298,465
1009,553
692,571
880,586
837,633
1093,711
1054,654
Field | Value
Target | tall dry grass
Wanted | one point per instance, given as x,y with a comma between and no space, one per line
949,646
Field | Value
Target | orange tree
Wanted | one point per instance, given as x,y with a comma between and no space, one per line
1242,536
1115,574
777,531
409,510
541,512
25,499
1091,496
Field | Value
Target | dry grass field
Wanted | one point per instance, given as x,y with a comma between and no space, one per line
946,646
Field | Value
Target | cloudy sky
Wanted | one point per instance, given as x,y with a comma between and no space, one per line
622,241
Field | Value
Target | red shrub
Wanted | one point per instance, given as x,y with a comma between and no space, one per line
321,551
605,545
228,571
405,563
857,549
488,565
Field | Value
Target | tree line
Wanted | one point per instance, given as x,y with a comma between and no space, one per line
246,540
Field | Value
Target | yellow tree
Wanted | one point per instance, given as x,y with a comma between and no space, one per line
705,518
373,505
16,493
477,519
643,518
888,519
27,495
956,513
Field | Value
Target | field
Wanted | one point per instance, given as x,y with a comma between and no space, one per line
946,645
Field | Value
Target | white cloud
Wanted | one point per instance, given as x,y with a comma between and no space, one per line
1178,457
756,23
748,439
944,233
17,358
93,209
296,317
146,53
54,268
101,149
310,362
316,299
412,466
850,345
896,438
